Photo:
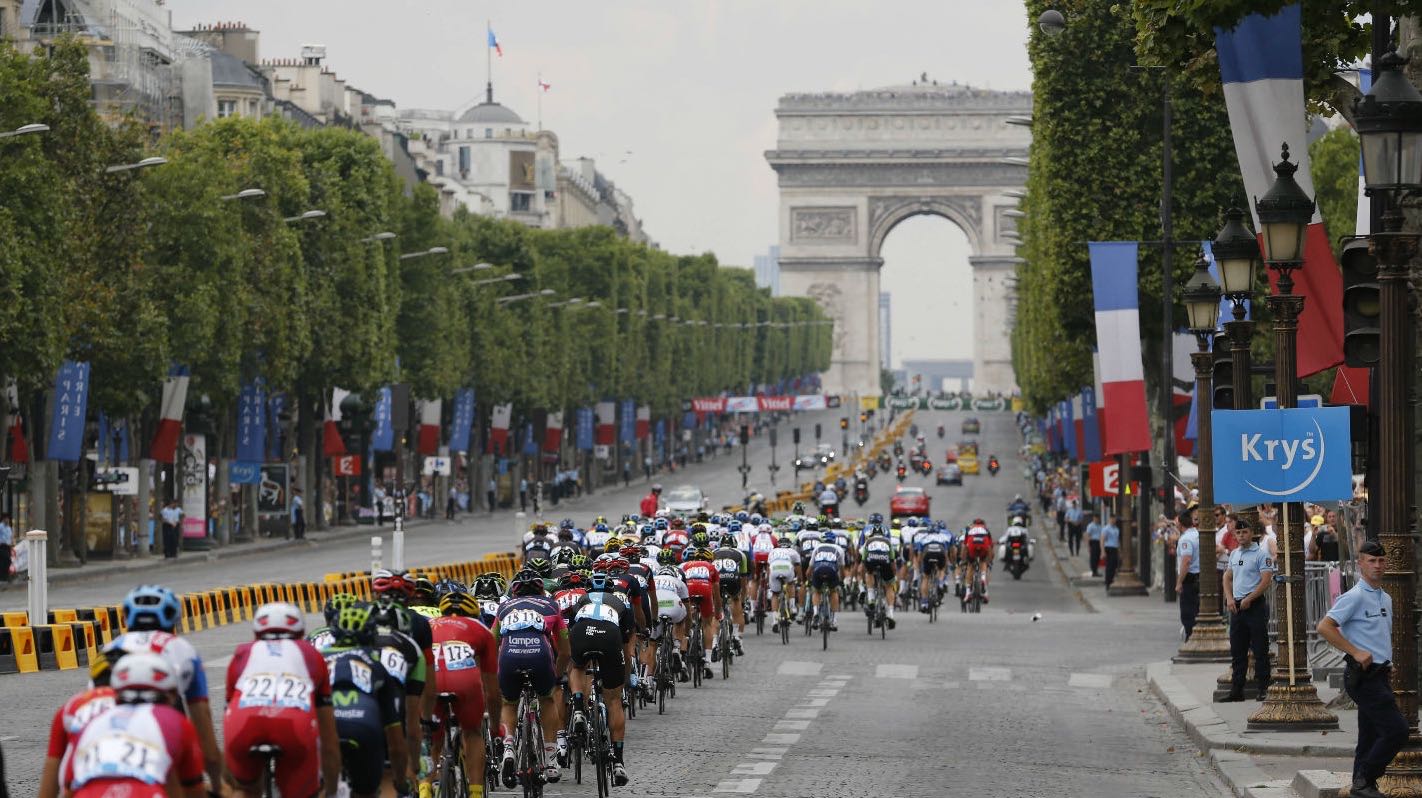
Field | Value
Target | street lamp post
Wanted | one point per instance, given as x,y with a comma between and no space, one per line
1292,702
1389,122
1208,643
24,130
143,164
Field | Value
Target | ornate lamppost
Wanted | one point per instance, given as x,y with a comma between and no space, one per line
1389,122
1292,702
1208,643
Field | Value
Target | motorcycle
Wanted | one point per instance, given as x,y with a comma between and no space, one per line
861,493
941,431
885,461
871,468
1016,557
902,472
993,466
898,448
926,466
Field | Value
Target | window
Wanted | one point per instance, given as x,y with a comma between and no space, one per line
226,108
488,132
464,161
520,201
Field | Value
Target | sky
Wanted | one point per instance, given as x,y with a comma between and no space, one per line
675,99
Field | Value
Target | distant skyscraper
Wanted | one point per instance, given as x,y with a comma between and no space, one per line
767,270
885,350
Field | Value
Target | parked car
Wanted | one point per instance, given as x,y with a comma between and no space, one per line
684,500
908,500
971,426
950,474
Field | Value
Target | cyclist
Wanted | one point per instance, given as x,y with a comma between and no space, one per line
279,693
571,589
806,540
782,564
141,744
324,637
537,544
977,556
671,602
489,589
602,625
596,538
71,719
424,598
544,569
465,663
734,567
826,562
703,586
567,541
880,560
151,614
762,543
933,546
405,663
533,646
367,704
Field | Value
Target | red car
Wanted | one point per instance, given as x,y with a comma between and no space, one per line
908,500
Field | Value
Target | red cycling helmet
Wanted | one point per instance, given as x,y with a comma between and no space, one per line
678,523
386,581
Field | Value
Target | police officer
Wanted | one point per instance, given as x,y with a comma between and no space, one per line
1360,625
1244,584
1187,581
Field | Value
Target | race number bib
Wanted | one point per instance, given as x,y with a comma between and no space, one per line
395,663
489,607
280,690
762,545
699,572
456,655
118,756
728,565
827,556
597,612
566,601
361,676
520,620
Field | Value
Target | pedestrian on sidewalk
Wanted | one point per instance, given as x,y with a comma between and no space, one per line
1074,527
523,494
1244,586
451,504
1360,625
1111,545
626,473
1093,542
1187,571
1059,505
492,487
172,519
1225,544
7,545
298,514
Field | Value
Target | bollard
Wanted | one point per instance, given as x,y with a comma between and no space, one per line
376,547
38,541
397,544
520,523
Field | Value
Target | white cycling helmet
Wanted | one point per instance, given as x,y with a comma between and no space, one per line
278,619
142,677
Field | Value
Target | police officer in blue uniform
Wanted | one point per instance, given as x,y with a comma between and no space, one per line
1360,625
1249,574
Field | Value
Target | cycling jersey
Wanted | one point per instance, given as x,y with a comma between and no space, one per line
671,597
602,623
130,750
702,581
538,548
528,628
762,545
782,565
826,563
568,599
273,690
734,567
806,542
366,701
675,539
595,540
879,557
463,649
402,659
192,680
977,543
71,719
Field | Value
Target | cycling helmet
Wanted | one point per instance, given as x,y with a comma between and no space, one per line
395,584
459,603
911,521
603,561
703,554
143,678
755,518
527,583
656,488
566,523
784,542
390,616
700,539
563,555
565,534
798,509
735,526
660,524
448,585
612,545
632,553
1017,520
601,528
812,525
335,604
743,516
489,586
678,523
669,570
599,581
540,566
648,532
876,518
697,527
278,619
666,557
425,593
979,522
617,565
580,562
150,608
571,580
353,624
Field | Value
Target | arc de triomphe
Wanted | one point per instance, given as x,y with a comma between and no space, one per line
851,166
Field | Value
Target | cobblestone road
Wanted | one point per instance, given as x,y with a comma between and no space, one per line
989,705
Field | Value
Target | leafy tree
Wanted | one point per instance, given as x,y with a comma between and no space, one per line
1333,160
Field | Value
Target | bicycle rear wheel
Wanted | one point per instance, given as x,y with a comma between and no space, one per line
602,747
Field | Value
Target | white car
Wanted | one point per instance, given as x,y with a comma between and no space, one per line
684,500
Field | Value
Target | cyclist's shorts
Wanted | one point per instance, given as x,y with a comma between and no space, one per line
525,653
675,612
699,593
121,788
469,686
731,587
298,769
977,552
778,579
362,751
884,569
934,563
600,640
825,576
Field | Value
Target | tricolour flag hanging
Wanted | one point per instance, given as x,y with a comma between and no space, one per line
1261,65
1100,395
1350,383
499,429
431,410
1118,338
19,448
1182,390
606,434
170,416
494,43
553,432
332,445
644,421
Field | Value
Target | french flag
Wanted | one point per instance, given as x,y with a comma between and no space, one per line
1118,338
494,43
553,433
170,421
644,421
332,445
1099,394
1090,432
499,429
430,412
1261,65
606,429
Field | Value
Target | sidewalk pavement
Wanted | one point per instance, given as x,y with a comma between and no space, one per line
1255,764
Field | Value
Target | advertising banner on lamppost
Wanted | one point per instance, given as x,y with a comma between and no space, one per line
251,423
193,472
66,427
383,438
1294,455
463,420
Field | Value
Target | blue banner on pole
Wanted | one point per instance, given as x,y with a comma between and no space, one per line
585,429
530,445
383,438
1089,429
629,421
252,422
659,437
1299,454
1069,428
276,406
463,420
71,399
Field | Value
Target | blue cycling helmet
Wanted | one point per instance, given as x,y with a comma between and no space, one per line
742,516
148,608
598,581
734,526
756,519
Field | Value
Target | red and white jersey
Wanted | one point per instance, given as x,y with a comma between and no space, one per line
568,599
675,538
762,545
977,538
76,713
701,571
277,675
140,743
463,644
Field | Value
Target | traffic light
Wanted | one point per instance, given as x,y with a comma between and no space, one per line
1362,339
795,435
844,422
817,430
745,434
1223,374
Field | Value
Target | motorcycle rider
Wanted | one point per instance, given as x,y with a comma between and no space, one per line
861,488
993,465
1016,531
829,502
1019,506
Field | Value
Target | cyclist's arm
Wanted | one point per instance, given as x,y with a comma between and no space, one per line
388,699
200,713
330,748
565,652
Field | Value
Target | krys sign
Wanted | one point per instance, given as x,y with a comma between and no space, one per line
1300,454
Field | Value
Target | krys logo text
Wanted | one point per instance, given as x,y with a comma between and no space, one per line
1286,452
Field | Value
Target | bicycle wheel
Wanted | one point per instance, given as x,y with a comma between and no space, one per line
883,622
870,613
824,621
784,627
603,749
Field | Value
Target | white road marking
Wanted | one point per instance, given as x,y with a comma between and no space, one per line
792,725
1095,680
767,753
990,674
823,693
840,677
802,713
814,702
832,685
738,785
896,671
781,739
794,668
951,685
754,768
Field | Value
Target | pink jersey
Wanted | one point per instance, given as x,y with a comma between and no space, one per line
135,743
